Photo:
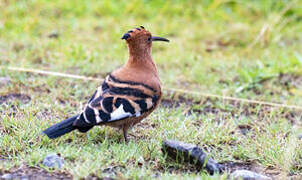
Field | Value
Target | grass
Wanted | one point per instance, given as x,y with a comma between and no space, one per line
247,49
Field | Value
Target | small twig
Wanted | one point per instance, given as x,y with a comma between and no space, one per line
51,73
183,91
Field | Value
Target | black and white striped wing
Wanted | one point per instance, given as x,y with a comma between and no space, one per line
117,100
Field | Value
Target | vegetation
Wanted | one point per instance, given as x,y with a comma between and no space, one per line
246,49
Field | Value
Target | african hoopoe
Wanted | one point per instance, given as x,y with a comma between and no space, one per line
127,95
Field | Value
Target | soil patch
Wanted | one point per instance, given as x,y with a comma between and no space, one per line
26,172
231,108
251,166
233,166
176,102
289,80
13,97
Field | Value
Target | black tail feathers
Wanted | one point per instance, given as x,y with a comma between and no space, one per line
65,127
61,128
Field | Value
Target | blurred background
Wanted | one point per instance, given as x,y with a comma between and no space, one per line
249,49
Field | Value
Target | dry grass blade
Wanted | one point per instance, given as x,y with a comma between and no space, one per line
183,91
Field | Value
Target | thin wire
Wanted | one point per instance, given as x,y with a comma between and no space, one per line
183,91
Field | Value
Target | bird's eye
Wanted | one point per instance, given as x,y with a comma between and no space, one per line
149,38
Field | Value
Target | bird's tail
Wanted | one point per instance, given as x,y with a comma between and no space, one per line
61,128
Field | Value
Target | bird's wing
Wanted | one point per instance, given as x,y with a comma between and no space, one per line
116,100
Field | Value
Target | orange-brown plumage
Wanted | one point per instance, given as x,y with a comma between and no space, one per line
128,94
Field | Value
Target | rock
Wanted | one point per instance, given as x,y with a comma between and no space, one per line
111,170
300,136
107,178
183,152
4,81
7,176
53,34
53,160
156,175
248,175
24,178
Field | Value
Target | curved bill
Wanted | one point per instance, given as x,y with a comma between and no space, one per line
155,38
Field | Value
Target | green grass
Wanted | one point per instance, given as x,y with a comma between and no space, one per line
247,49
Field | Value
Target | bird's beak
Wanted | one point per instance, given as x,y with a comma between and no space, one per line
154,38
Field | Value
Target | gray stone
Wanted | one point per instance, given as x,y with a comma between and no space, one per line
53,160
248,175
53,34
300,136
24,178
7,176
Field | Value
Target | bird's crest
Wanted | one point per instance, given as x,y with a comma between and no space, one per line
135,32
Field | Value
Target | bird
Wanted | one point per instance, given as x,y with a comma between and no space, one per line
126,96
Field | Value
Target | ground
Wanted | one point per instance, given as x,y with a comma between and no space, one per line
245,49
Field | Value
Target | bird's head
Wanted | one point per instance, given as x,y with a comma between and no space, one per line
139,39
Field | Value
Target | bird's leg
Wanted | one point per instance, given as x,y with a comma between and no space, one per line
125,132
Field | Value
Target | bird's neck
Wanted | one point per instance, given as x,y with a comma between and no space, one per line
141,59
139,54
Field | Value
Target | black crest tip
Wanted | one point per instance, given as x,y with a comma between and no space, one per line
126,36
